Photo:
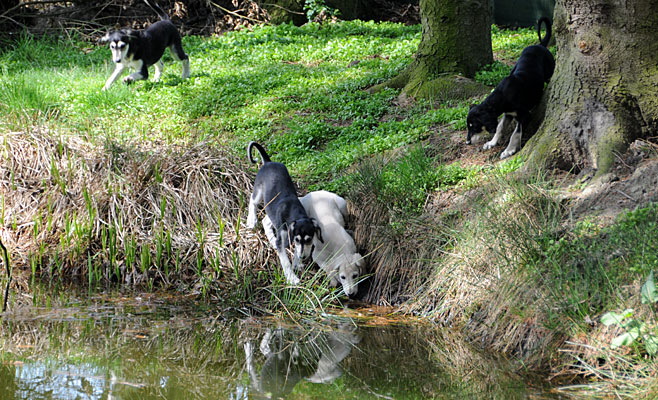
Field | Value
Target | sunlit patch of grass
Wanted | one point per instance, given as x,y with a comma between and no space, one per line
508,44
296,89
588,265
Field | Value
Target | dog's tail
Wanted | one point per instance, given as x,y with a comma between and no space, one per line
163,15
263,154
547,38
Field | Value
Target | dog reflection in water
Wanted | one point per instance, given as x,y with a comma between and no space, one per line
288,359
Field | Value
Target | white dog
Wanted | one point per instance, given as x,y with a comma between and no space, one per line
337,256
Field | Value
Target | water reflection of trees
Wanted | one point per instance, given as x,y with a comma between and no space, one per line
146,352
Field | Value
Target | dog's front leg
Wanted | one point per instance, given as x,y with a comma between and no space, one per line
270,232
288,272
159,67
141,73
186,69
499,132
118,70
281,244
514,142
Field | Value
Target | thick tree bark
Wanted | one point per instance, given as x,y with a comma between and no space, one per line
456,39
604,93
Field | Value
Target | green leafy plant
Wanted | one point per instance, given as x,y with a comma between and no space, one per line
493,73
635,328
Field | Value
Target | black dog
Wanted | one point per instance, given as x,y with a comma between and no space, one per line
141,49
274,188
515,95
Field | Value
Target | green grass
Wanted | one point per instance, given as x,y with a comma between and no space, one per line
291,88
297,90
589,267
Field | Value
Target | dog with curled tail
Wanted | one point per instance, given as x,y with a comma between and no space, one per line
515,96
289,223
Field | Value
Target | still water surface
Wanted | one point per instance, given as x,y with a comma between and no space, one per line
146,348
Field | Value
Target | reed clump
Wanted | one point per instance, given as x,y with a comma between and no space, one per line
140,214
398,242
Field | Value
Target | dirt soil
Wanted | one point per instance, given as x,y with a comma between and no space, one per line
631,184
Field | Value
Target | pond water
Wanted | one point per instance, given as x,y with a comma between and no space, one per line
113,347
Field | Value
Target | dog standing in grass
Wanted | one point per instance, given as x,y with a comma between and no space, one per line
139,49
515,95
290,224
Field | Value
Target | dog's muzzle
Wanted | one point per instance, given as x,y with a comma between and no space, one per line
309,254
303,255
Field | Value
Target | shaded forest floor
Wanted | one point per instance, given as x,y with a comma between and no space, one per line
193,17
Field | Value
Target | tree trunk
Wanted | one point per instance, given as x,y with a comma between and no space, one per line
284,11
456,39
604,92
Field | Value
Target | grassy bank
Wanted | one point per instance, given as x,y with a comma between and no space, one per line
146,186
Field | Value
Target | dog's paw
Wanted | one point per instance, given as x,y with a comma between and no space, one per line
128,80
489,145
507,153
293,280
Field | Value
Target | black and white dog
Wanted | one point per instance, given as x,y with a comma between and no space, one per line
290,224
139,49
515,95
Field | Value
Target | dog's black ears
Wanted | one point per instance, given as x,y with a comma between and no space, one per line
318,230
131,33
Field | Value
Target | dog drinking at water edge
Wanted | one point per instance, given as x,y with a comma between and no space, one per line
274,188
337,256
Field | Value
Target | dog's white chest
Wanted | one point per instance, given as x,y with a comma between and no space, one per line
129,62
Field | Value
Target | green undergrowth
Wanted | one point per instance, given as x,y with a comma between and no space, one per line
590,266
298,90
127,201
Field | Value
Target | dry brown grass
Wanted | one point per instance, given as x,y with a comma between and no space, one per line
591,369
481,286
64,197
463,265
